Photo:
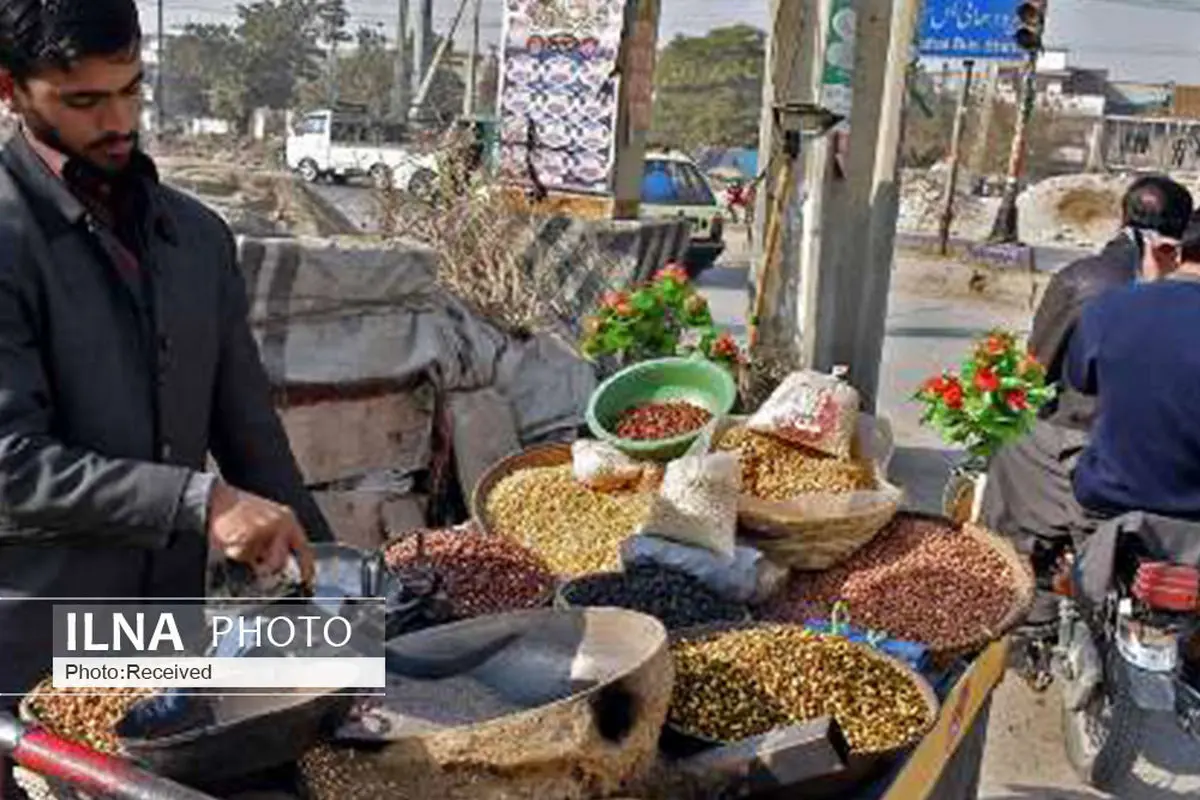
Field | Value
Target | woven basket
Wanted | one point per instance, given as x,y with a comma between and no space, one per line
818,535
549,455
1024,590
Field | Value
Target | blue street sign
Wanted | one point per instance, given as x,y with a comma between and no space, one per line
977,29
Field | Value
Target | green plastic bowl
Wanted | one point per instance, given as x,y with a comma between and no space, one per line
664,380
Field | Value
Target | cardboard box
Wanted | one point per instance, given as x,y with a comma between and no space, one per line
339,439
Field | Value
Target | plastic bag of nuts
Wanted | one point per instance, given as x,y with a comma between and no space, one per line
600,466
812,409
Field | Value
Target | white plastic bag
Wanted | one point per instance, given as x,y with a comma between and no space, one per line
813,410
698,502
749,578
602,467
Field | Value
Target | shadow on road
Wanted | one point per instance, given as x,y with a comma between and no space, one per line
917,332
1133,790
1168,749
721,277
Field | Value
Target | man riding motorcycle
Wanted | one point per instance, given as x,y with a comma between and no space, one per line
1128,627
1029,494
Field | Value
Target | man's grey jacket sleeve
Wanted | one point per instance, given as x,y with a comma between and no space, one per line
248,439
50,491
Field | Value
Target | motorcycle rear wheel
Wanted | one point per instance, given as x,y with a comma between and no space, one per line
1104,738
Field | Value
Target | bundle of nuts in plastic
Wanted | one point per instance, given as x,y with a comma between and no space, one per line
742,683
482,574
83,715
920,579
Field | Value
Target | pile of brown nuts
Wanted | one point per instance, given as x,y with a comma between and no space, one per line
920,580
482,574
577,530
83,715
661,420
775,470
737,684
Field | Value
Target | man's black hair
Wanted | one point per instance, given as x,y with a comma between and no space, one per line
1157,203
1189,248
40,34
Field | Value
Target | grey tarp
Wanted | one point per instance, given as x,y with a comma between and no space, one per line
337,312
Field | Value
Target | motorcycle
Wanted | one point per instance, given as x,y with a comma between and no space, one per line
1126,643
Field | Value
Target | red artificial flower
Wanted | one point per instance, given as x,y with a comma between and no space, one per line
986,380
725,346
936,385
612,298
996,345
672,271
953,395
624,309
1017,400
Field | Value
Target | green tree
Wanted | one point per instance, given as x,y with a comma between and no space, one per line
708,89
281,48
199,59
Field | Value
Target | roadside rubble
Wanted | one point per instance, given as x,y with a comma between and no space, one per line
1067,211
256,202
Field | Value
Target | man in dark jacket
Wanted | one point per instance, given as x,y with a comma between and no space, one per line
1029,494
126,357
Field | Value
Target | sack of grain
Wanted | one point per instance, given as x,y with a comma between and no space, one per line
811,409
698,502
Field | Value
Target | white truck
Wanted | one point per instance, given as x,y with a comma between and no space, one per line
338,145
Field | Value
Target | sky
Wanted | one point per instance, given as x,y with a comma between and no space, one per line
1137,40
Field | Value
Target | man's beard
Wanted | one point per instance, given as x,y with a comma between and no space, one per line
47,134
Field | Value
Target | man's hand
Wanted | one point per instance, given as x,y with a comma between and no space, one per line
258,532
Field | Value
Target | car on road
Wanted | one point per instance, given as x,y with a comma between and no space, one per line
674,186
338,144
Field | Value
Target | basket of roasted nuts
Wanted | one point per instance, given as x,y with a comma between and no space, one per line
481,573
534,498
737,682
923,579
810,510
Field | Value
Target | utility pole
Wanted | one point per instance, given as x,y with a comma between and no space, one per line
783,269
443,48
473,64
400,80
160,110
422,42
635,106
1031,18
1004,229
856,266
987,113
960,118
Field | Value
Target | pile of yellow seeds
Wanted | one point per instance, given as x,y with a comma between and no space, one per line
733,685
576,530
777,471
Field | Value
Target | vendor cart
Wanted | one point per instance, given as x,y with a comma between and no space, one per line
947,763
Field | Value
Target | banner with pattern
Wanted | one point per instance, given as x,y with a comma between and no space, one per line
558,92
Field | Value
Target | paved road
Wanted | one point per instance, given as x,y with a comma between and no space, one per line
1024,758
